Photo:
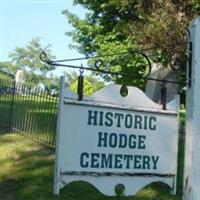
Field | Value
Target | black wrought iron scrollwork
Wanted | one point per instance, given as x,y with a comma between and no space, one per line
187,32
44,58
146,69
140,70
146,72
99,65
97,68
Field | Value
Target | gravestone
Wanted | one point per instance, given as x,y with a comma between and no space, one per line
19,77
19,80
153,88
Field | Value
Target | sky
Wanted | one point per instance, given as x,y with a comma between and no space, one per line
23,20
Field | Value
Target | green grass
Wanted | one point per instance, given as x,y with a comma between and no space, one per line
34,116
26,173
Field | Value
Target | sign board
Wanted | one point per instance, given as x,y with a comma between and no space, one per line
107,139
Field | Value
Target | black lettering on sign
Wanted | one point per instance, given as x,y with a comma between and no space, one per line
121,140
118,120
118,161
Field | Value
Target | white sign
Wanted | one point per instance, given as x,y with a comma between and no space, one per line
107,139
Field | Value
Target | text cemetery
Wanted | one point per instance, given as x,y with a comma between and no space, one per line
119,140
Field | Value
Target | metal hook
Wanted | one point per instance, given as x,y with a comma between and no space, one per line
164,95
80,84
81,70
44,58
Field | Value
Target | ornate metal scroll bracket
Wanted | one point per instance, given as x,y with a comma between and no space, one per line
145,65
99,65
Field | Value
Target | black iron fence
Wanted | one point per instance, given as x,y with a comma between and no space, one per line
28,110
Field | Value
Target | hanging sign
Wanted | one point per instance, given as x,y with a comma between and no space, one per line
107,140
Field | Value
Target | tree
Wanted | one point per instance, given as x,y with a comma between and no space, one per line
113,26
28,59
5,76
8,67
91,84
7,70
52,84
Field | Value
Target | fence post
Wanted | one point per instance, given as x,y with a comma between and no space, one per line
56,186
191,190
11,105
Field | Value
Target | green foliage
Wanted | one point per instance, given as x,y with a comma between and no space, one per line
88,89
28,59
95,82
7,70
52,84
70,77
113,26
4,76
8,67
91,84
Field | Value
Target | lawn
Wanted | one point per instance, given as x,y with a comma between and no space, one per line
26,173
33,115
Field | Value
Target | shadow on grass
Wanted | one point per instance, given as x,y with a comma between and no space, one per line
31,178
4,130
7,189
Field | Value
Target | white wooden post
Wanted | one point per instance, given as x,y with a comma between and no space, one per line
192,144
56,186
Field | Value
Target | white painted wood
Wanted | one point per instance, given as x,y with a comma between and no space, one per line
174,104
192,145
106,185
56,185
135,100
67,93
135,97
75,136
